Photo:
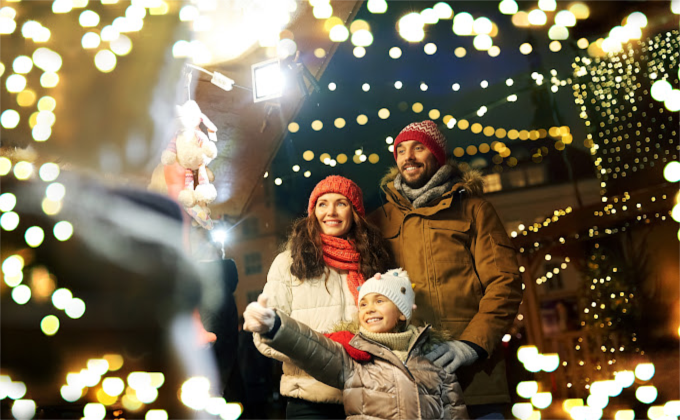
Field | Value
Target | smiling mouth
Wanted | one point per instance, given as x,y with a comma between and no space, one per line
411,168
332,223
373,320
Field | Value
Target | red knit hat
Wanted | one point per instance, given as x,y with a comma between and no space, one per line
340,185
428,134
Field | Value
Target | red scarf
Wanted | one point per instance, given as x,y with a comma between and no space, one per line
340,253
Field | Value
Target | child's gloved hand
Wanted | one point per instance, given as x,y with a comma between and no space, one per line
257,317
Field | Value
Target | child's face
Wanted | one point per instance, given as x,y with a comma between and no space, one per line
378,314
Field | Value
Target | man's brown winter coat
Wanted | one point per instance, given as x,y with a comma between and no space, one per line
465,271
382,388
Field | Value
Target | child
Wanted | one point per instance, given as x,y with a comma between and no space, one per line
382,369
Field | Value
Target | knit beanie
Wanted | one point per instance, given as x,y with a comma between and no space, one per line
428,134
394,285
340,185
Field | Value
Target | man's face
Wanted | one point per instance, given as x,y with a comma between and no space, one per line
416,163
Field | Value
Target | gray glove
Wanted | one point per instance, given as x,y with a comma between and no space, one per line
451,355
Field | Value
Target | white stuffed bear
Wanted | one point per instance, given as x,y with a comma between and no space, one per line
193,150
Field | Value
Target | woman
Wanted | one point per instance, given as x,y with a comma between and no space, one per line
316,280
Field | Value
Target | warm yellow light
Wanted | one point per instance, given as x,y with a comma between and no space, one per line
23,170
157,379
522,411
384,113
121,45
434,114
130,402
49,80
339,33
26,98
494,51
156,414
63,230
373,158
317,125
162,9
94,411
460,52
580,10
521,19
646,394
49,325
339,123
15,83
570,403
644,371
105,61
9,119
9,221
458,152
115,361
463,124
524,353
417,107
525,48
430,48
537,17
75,308
362,119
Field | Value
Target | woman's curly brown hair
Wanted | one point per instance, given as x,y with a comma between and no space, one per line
306,248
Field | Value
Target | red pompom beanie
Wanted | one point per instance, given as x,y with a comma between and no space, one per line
428,134
340,185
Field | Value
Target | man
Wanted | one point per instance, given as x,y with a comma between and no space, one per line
455,248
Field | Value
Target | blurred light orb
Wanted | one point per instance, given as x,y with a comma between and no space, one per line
23,170
460,52
646,394
637,19
49,80
455,87
63,230
49,325
411,27
317,125
156,414
5,164
522,411
644,371
21,294
94,411
527,389
319,53
157,379
598,400
9,200
395,52
23,409
88,19
55,191
672,101
580,10
75,308
7,25
339,123
332,86
22,64
70,393
565,18
47,60
583,43
26,98
377,6
194,392
384,113
8,12
365,87
362,38
339,33
557,32
188,13
525,48
41,132
508,7
61,297
34,236
494,51
525,353
90,40
482,26
9,221
537,17
541,400
105,61
15,83
109,33
463,24
555,46
423,87
359,52
547,5
307,174
482,42
46,118
49,172
671,172
322,11
430,48
398,85
362,119
147,395
625,378
278,181
443,10
123,45
62,6
30,28
429,16
9,119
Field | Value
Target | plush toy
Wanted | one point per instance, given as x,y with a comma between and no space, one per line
189,152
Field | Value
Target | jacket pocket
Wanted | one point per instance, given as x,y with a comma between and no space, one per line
449,240
504,254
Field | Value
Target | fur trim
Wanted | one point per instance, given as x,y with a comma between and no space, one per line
472,178
434,337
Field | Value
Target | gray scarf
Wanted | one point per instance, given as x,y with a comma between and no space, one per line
438,185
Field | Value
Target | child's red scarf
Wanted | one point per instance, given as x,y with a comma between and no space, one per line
341,253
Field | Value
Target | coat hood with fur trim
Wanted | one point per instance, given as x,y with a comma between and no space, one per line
472,179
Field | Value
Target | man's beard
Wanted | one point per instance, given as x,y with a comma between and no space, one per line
418,182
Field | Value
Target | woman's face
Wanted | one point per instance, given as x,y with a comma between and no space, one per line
334,213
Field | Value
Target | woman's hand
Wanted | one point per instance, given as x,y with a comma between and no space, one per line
257,317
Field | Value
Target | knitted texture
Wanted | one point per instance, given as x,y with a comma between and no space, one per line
339,185
399,342
344,337
396,286
428,134
340,253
